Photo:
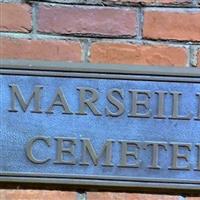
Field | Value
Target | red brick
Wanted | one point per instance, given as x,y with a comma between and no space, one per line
36,195
15,17
128,196
120,53
40,49
172,25
87,20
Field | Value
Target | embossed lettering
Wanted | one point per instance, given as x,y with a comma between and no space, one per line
62,150
161,105
114,101
198,107
16,94
136,104
155,153
29,149
126,153
176,156
86,102
88,149
176,107
59,100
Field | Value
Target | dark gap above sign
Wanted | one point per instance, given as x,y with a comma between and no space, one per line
100,125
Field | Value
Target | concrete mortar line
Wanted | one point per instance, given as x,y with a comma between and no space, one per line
83,44
81,196
42,36
195,2
34,20
111,40
189,59
12,1
143,42
38,36
15,35
173,9
86,49
193,56
77,196
89,6
101,4
89,51
122,40
125,5
139,24
142,22
182,198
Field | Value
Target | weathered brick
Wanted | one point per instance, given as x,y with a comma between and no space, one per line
40,49
174,25
128,196
120,53
99,21
15,17
36,195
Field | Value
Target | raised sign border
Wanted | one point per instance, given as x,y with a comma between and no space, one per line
100,71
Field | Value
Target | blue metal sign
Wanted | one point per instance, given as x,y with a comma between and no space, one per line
100,125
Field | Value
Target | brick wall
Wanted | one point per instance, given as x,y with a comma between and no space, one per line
137,32
66,195
144,32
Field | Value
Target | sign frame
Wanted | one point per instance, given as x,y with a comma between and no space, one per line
99,71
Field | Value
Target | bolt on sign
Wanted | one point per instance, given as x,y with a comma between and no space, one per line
100,125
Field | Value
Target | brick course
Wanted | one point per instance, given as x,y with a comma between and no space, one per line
161,33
